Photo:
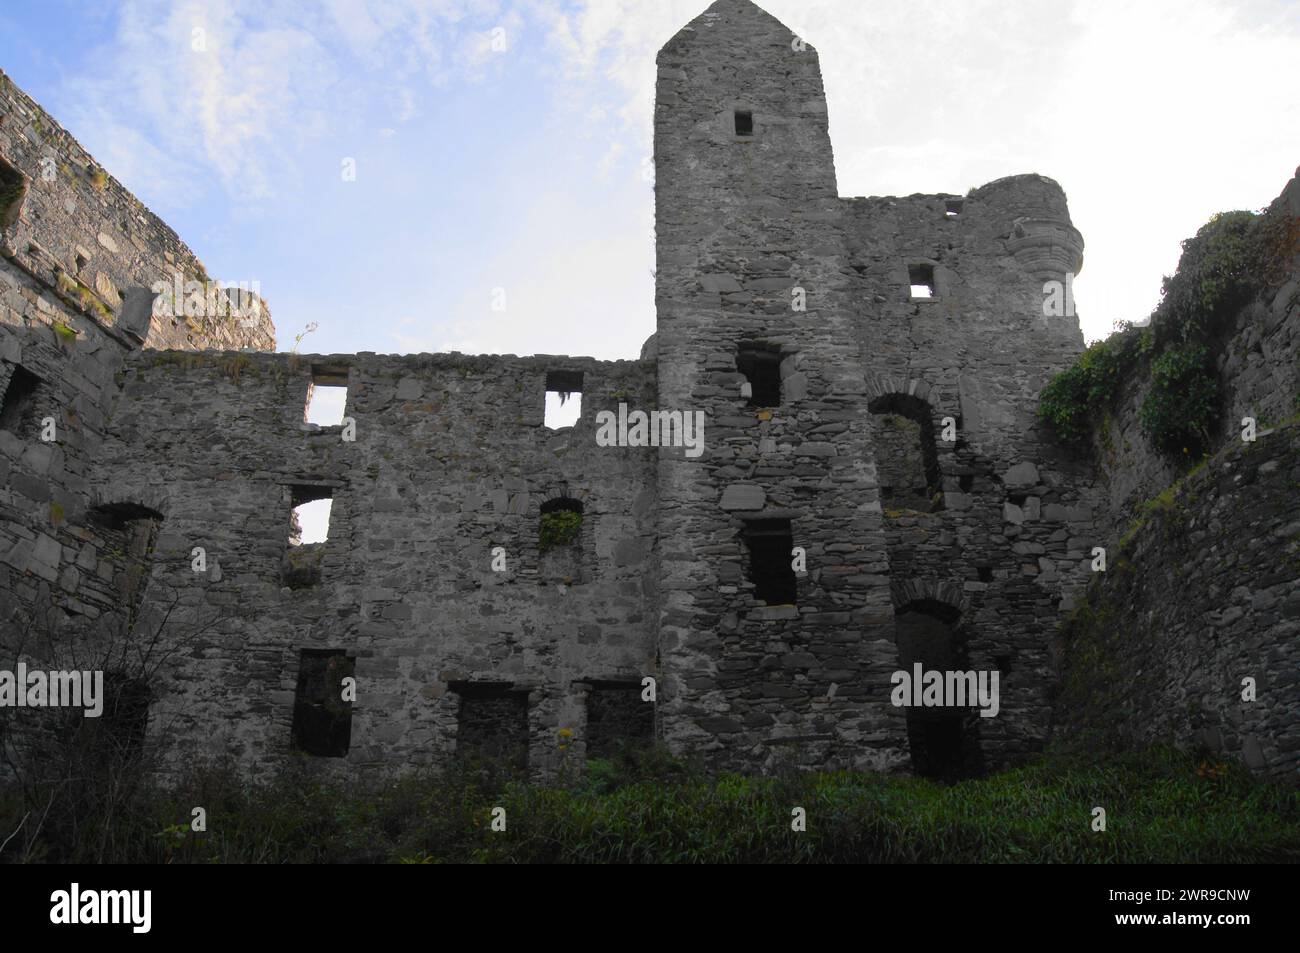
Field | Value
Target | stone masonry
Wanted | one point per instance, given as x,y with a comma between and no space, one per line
874,484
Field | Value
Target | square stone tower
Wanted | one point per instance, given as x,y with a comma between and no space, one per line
776,629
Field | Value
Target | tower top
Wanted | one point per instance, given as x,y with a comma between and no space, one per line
741,22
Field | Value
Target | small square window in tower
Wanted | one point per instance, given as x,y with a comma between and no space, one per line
322,718
19,411
770,543
327,396
744,123
492,725
761,365
563,399
952,207
921,279
617,719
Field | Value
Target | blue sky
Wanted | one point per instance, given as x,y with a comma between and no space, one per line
519,165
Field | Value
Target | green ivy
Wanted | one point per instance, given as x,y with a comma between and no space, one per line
1078,395
559,528
1182,404
1230,260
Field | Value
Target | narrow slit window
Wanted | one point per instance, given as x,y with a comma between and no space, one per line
322,718
563,399
327,396
770,544
761,365
921,278
744,122
18,411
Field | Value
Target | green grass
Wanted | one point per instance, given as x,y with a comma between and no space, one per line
1159,809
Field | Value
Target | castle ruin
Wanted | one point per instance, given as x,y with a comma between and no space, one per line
867,370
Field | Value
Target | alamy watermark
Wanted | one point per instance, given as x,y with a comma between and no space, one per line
179,298
658,428
936,689
37,689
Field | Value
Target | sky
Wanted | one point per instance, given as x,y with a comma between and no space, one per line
434,175
499,148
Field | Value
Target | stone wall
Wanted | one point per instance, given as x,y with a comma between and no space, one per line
748,223
1205,594
78,257
1203,587
451,460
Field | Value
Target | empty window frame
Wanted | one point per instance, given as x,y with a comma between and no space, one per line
617,718
322,718
953,207
308,530
13,192
944,741
492,725
761,365
744,123
907,457
563,399
559,524
19,411
769,543
921,279
327,396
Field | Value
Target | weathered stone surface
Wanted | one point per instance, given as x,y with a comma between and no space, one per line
742,496
901,451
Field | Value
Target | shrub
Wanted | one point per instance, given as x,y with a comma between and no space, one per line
1077,396
1182,403
1230,260
558,528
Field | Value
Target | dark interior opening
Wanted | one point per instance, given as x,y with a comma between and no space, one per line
761,365
492,724
944,741
769,543
322,720
617,719
18,412
907,458
744,122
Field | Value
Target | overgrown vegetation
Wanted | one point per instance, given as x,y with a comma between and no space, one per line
1162,806
558,528
1231,259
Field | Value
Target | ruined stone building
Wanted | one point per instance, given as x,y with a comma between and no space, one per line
867,369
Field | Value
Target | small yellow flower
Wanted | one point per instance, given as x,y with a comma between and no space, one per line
566,733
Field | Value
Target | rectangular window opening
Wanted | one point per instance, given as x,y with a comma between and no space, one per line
309,525
744,122
952,207
617,719
563,399
13,192
921,278
770,544
492,725
761,365
18,409
322,719
327,396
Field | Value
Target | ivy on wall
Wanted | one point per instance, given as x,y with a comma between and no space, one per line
1233,257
